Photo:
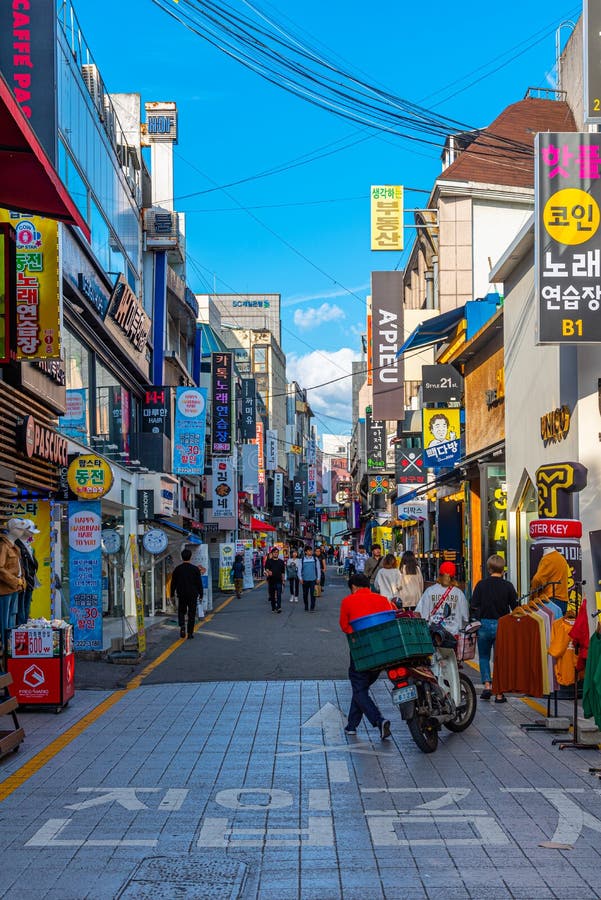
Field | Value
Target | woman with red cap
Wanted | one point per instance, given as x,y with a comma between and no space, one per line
444,603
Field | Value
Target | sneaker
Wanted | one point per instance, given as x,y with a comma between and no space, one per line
500,699
384,729
348,730
296,599
182,632
190,637
486,694
278,610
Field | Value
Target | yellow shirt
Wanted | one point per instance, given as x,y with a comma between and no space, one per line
561,649
552,568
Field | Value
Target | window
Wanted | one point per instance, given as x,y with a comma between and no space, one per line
259,359
113,414
76,421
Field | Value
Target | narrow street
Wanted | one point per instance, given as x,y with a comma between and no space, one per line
228,775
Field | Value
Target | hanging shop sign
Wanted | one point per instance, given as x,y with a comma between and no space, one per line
37,307
441,384
556,484
592,55
386,217
375,441
297,494
555,528
146,505
90,476
128,313
278,491
85,574
413,509
312,481
248,424
568,237
110,541
408,465
222,402
271,449
250,468
369,338
137,579
223,487
155,541
311,451
261,445
156,411
555,425
442,447
38,441
379,484
387,337
7,289
190,428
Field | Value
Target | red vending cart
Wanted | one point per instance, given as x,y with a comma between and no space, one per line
42,665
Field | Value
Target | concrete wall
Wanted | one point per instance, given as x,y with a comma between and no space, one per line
571,77
494,228
455,252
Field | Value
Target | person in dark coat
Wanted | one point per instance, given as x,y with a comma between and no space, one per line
186,583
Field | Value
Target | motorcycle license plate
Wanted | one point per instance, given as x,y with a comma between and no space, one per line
402,695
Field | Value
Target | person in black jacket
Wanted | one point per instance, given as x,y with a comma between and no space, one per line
493,598
186,582
275,570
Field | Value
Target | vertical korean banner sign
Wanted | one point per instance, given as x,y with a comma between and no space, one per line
245,549
190,425
226,561
135,564
271,449
85,574
37,319
223,488
222,402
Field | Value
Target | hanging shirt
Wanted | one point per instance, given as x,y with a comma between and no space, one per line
518,657
561,649
591,692
580,635
552,568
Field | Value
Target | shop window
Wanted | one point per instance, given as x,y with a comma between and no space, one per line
76,422
526,511
259,359
113,415
497,511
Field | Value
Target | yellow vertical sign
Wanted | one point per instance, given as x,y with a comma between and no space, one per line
386,217
37,315
135,564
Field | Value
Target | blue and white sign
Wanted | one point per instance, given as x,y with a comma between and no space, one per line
85,573
75,421
190,427
443,456
250,468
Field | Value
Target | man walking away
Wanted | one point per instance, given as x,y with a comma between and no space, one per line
275,570
186,582
372,566
363,602
237,574
310,575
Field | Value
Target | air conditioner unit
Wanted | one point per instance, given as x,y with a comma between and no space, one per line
93,82
162,229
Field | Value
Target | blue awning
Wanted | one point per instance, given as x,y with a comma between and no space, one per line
433,330
211,343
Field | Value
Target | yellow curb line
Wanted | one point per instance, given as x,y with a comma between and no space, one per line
37,762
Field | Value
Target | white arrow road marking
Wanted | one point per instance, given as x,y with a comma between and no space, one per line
330,719
48,836
125,797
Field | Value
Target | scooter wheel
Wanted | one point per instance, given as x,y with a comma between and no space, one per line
423,733
467,707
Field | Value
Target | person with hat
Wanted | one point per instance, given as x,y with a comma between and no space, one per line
443,603
29,566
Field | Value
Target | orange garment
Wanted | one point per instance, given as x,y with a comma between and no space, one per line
552,568
518,658
362,603
561,649
538,618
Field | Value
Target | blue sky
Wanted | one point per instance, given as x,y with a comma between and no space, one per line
233,124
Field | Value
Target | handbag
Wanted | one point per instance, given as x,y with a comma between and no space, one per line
317,589
467,641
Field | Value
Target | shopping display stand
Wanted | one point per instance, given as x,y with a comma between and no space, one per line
42,664
11,738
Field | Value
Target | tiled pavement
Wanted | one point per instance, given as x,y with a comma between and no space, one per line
250,790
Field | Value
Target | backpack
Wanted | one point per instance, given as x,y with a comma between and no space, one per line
291,570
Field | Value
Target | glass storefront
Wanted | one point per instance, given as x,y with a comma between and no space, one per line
526,511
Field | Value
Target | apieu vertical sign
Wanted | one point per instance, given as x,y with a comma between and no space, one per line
592,61
568,237
387,337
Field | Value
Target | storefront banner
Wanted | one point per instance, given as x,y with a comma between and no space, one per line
441,429
415,509
223,487
595,542
387,331
250,468
297,493
278,490
248,425
271,449
137,579
7,268
222,402
568,237
259,440
85,573
38,511
37,317
441,383
75,421
90,476
312,481
190,426
386,216
245,548
226,561
408,465
375,441
311,451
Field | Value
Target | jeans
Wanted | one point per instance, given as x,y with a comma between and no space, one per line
309,589
362,704
486,641
294,586
23,606
275,592
8,614
186,606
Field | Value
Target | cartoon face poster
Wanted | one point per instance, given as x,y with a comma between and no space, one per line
441,436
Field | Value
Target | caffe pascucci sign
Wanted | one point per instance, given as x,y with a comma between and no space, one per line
554,425
38,441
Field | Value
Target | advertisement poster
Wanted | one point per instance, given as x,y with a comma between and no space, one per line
386,216
75,421
245,548
39,513
190,425
226,561
223,488
135,564
271,449
85,574
250,468
37,320
442,445
222,402
200,557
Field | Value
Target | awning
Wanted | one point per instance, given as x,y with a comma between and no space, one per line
191,538
28,180
433,330
211,343
259,525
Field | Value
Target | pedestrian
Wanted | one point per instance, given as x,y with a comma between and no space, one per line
493,597
293,569
357,559
237,574
321,559
275,570
388,581
362,602
186,583
373,564
444,603
310,574
330,555
412,580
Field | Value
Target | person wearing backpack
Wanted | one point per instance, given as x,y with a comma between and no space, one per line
310,575
237,574
293,570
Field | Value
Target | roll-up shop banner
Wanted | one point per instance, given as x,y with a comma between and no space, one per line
248,425
221,366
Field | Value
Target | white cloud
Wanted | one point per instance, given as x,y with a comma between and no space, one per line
317,315
325,295
332,399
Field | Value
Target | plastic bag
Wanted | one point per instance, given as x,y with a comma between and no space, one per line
200,610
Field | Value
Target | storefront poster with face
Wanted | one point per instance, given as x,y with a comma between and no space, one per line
38,512
226,561
441,430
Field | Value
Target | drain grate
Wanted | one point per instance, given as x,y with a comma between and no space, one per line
177,877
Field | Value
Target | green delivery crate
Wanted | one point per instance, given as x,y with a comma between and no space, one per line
389,642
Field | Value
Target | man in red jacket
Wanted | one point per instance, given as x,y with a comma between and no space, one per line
362,602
